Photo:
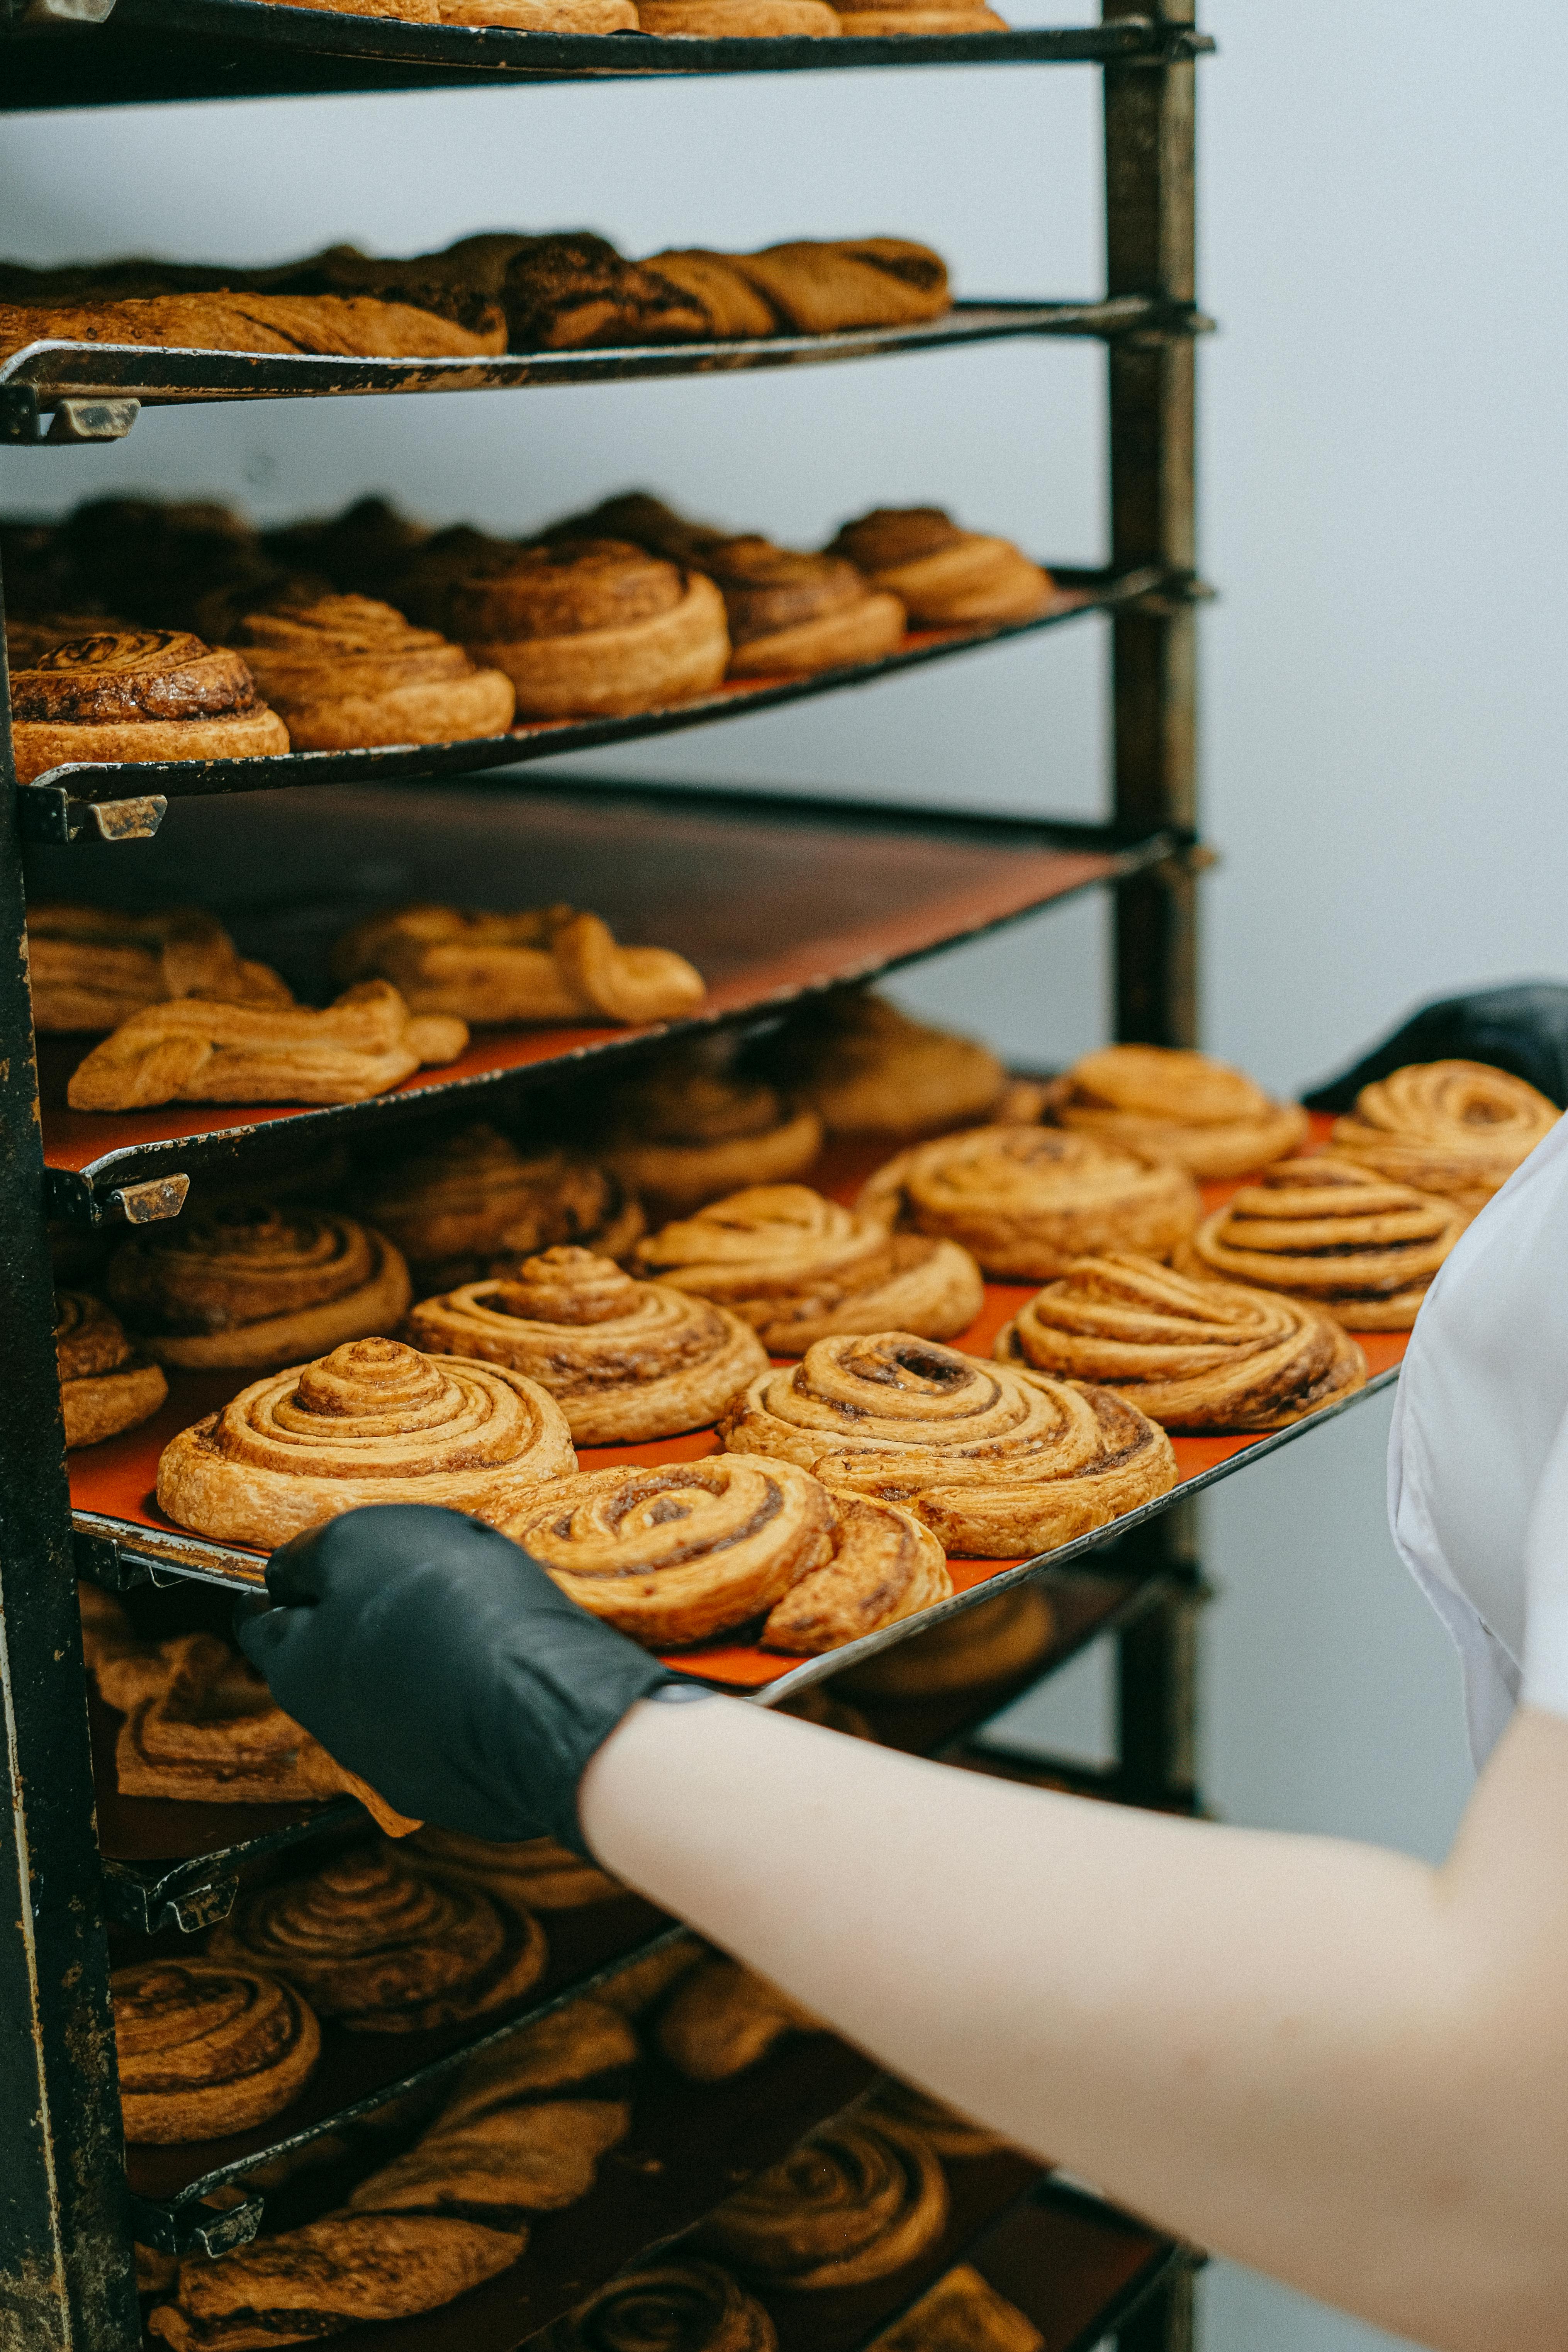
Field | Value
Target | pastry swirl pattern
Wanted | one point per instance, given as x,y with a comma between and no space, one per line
472,1204
854,2202
105,1385
92,967
945,576
675,2306
138,694
206,2050
1333,1234
346,671
687,1131
1457,1128
1162,1104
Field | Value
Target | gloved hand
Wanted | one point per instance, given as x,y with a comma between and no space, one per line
432,1656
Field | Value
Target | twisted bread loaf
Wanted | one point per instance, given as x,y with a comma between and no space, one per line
1165,1105
998,1461
92,967
669,2306
854,2202
1333,1234
799,1267
624,1360
1457,1128
868,1069
105,1385
137,694
687,1130
329,2276
372,1422
206,2050
357,326
471,1204
724,2017
538,2158
942,575
819,287
546,963
1025,1202
346,671
531,1875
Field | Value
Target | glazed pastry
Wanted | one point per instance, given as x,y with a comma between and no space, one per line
384,1949
870,1070
192,1051
942,2127
569,2045
534,1874
206,2050
344,671
963,2312
547,963
822,287
715,20
1162,1104
1457,1128
246,1286
471,1204
624,1360
687,1551
372,1422
356,326
138,694
105,1385
536,2158
1334,1234
93,967
993,1644
945,577
673,2306
687,1131
1196,1356
998,1463
854,2202
1025,1202
798,1269
722,2018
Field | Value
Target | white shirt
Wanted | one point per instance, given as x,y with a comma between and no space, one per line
1478,1456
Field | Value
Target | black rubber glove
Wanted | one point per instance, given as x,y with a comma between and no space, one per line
432,1656
1522,1029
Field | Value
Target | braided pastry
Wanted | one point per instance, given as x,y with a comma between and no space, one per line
1197,1356
869,1070
823,287
569,2045
354,326
1457,1128
345,671
943,576
624,1360
471,1204
1333,1234
687,1131
206,2050
1025,1202
724,2017
998,1461
799,1267
306,2283
962,2312
854,2202
372,1422
248,1285
687,1551
1165,1105
672,2306
195,1052
92,967
105,1386
534,1874
550,963
536,2158
137,694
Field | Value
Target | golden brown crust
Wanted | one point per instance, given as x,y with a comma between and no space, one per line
251,1286
575,588
724,2017
531,1875
942,2127
1457,1128
788,610
40,747
206,2050
121,677
545,15
687,1132
738,19
962,2312
544,963
357,325
92,967
471,1204
105,1386
672,2306
571,2045
609,673
346,671
313,2282
878,23
1162,1104
573,290
854,2202
870,1070
944,575
532,2158
734,307
872,281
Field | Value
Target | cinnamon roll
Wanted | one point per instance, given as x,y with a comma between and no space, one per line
672,2306
624,1360
790,613
206,2050
372,1422
688,1129
192,1051
354,326
245,1286
962,2312
549,963
92,967
996,1462
534,1875
471,1204
1333,1234
944,577
798,1269
854,2202
1455,1129
1196,1356
1025,1202
870,1070
384,1949
137,694
344,671
942,2127
687,1550
105,1385
722,2018
1162,1104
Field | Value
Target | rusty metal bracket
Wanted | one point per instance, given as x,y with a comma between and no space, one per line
50,813
92,420
153,1204
148,1907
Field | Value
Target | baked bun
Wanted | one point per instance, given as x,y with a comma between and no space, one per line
943,576
686,1130
667,2306
998,1462
624,1360
798,1269
1197,1356
687,1551
305,2283
192,1051
1025,1202
854,2202
345,671
870,1070
470,1203
547,963
138,694
530,1874
357,326
206,2050
93,967
790,613
724,2017
1457,1128
372,1422
713,20
1164,1104
105,1385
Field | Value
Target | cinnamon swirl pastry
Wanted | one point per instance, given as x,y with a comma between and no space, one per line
105,1385
722,2018
1162,1104
206,2050
854,2202
674,2306
548,963
356,326
687,1551
998,1461
192,1051
1196,1356
372,1422
92,967
963,2312
1457,1128
384,1949
345,671
688,1129
791,613
471,1204
534,1875
624,1360
870,1070
1025,1202
137,694
798,1269
943,576
1333,1234
942,2127
245,1286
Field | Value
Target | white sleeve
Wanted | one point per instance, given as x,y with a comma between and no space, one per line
1546,1585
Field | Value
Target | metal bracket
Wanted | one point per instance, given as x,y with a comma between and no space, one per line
92,420
50,813
153,1204
133,1904
69,12
195,2229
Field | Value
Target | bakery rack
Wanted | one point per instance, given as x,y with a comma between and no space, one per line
846,892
